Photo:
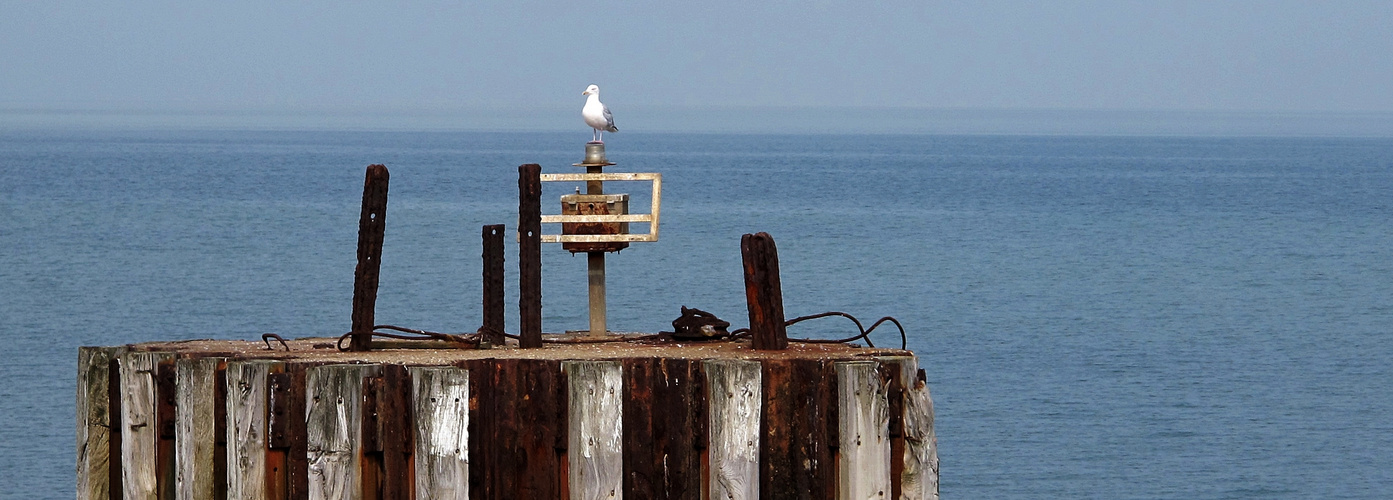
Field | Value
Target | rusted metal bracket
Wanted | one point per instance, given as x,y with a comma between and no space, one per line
763,293
371,229
278,419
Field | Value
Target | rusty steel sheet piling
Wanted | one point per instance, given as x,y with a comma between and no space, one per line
493,284
763,293
799,445
518,429
371,229
530,255
664,428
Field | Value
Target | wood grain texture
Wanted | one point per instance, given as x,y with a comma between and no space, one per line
919,480
664,428
94,421
441,399
246,429
194,426
139,428
333,429
863,424
595,452
799,429
735,395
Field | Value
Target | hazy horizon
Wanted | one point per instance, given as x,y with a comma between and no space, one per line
789,66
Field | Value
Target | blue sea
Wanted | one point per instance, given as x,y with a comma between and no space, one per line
1098,317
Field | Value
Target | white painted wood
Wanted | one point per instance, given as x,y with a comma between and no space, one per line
246,429
334,407
863,414
193,427
139,435
441,405
94,421
735,396
595,451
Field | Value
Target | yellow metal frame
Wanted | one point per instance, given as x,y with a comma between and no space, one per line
651,218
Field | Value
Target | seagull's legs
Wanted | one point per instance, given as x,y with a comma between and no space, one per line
594,135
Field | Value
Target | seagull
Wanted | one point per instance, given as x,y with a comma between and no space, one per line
596,115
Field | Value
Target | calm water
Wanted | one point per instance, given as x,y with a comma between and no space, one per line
1098,317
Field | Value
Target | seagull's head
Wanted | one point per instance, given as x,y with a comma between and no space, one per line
591,90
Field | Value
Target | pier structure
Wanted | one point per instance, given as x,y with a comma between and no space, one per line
492,415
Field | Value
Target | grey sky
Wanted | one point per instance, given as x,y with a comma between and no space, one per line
1154,55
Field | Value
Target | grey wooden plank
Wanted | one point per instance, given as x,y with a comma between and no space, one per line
139,435
919,480
863,423
333,425
94,421
441,405
246,429
193,427
595,413
735,393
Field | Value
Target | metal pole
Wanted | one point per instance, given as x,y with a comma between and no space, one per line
763,293
595,264
371,227
530,255
493,284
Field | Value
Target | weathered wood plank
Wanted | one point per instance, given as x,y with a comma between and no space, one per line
441,399
919,479
734,394
246,429
194,426
664,428
94,421
799,432
596,458
863,425
139,429
334,431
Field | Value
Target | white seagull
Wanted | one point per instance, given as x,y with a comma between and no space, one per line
596,115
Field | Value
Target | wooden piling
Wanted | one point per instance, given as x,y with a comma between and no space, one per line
94,420
195,427
140,433
441,399
333,425
530,255
595,457
863,425
493,284
635,419
246,429
371,231
734,397
763,293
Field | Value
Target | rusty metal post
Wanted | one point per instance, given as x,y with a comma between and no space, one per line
595,262
530,255
763,294
371,228
493,284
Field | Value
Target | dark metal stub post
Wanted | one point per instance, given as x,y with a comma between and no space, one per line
493,284
763,294
530,255
371,228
